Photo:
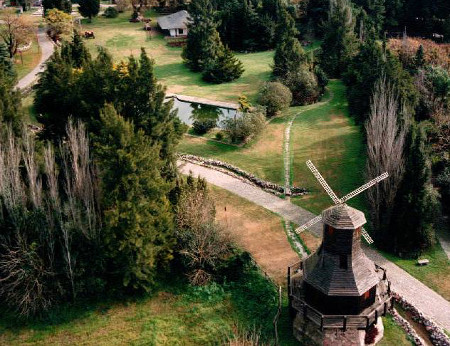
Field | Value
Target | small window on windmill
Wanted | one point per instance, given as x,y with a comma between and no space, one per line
343,262
330,230
366,295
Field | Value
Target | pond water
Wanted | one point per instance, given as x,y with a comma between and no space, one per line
188,112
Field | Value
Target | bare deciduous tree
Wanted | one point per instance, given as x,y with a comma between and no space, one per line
203,243
386,134
15,31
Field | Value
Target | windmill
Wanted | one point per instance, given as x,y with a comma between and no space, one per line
338,201
338,293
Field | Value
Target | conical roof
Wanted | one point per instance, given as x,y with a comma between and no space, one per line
343,217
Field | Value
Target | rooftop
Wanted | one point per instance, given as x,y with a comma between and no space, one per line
343,217
178,20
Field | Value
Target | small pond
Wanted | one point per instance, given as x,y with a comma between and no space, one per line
189,112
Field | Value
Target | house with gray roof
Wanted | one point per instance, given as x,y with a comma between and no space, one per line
174,24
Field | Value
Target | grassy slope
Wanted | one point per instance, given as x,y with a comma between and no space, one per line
262,156
256,230
122,38
178,315
393,334
328,137
435,275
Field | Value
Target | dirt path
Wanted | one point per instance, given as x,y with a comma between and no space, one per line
47,47
424,298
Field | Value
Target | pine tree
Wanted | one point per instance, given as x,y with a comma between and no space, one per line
203,41
89,8
75,51
339,43
5,61
141,99
10,102
289,54
138,221
416,204
420,57
225,68
56,95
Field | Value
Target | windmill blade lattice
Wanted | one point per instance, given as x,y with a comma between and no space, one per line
364,187
366,236
308,224
336,200
322,182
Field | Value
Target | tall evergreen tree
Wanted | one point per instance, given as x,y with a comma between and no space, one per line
364,70
289,54
225,68
141,99
339,42
416,203
89,8
10,102
138,217
203,41
75,51
6,63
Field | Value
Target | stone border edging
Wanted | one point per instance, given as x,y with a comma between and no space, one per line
436,333
406,326
241,174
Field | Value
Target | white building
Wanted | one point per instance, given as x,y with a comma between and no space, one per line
175,24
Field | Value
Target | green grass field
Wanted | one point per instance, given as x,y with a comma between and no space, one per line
28,61
122,39
263,156
435,275
328,137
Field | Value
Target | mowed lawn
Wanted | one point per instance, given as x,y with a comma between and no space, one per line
256,230
28,61
262,156
122,39
328,137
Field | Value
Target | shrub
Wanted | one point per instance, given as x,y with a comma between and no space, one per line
202,126
371,334
219,136
275,97
303,85
225,68
249,124
111,12
122,5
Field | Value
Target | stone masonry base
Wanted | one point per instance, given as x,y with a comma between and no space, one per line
309,333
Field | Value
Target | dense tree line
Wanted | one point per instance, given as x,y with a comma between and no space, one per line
401,97
419,17
87,205
204,51
93,205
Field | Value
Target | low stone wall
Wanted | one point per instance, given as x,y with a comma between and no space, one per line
241,174
436,333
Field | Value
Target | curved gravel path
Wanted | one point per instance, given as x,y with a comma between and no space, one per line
47,48
424,298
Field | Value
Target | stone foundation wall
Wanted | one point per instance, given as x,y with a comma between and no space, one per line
241,174
310,334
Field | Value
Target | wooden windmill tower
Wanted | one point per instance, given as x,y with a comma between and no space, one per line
337,293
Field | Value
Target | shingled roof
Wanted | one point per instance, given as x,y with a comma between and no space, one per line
330,279
178,20
343,217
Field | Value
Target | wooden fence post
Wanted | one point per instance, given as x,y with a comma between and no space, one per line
277,316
